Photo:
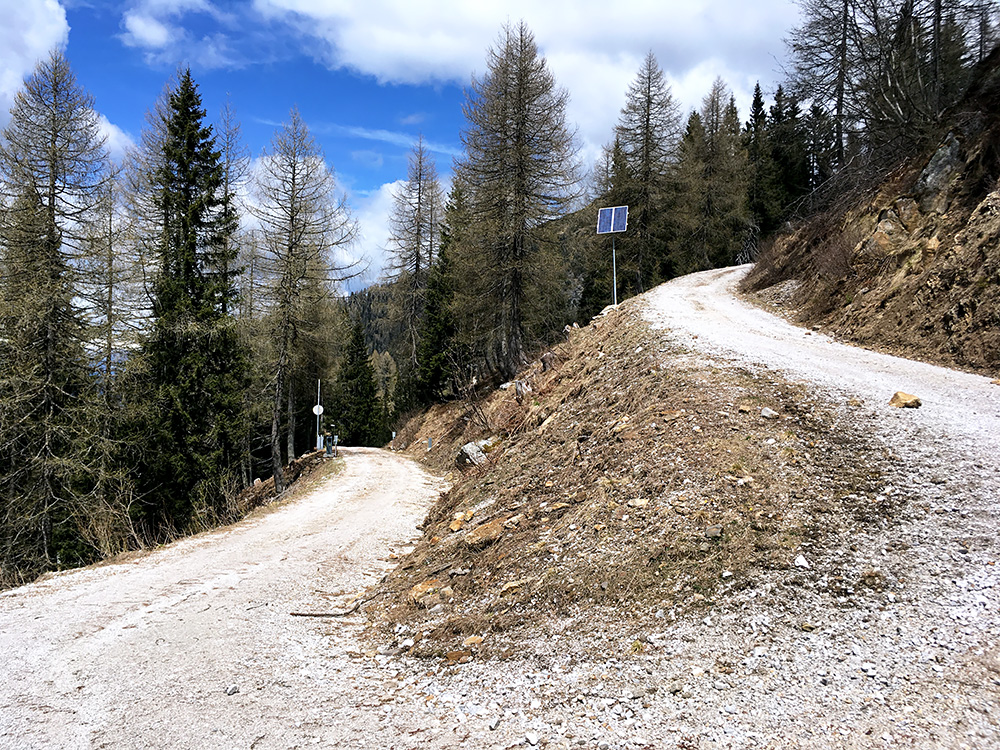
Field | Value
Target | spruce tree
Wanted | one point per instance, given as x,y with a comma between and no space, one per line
436,346
762,188
359,416
194,363
788,144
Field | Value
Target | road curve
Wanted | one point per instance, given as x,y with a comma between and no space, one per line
142,653
703,311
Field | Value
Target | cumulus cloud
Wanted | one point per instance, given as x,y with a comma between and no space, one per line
594,49
372,213
30,29
164,31
145,31
116,140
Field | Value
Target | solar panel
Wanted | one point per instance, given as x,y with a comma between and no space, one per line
612,219
604,220
620,219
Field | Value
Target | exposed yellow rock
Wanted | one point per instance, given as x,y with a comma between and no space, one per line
903,400
471,641
458,657
421,590
514,585
484,533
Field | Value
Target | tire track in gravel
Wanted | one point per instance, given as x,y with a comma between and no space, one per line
141,653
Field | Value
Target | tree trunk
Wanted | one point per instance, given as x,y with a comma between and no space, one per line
290,435
277,465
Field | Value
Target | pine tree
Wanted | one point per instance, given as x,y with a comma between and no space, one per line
303,222
519,168
414,220
52,170
712,174
194,362
646,134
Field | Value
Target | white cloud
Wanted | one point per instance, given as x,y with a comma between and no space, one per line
146,31
117,141
158,28
392,137
594,49
372,214
417,118
30,29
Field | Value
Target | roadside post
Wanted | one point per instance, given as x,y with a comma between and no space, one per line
318,411
609,221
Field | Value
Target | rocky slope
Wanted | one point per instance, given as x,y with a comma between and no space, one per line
912,267
670,546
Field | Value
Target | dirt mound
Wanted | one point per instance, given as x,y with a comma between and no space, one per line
630,475
914,267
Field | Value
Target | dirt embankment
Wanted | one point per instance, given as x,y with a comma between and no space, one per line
634,476
912,268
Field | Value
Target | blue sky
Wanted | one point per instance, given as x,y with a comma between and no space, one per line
369,76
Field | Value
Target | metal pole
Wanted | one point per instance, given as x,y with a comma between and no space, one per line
614,270
319,444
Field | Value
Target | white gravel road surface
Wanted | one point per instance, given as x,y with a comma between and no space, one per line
702,310
142,654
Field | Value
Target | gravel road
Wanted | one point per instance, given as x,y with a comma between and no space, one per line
143,653
702,310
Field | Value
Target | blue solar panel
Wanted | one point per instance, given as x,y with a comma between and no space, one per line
604,220
620,219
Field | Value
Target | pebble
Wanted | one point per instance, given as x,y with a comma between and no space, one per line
232,690
801,562
531,738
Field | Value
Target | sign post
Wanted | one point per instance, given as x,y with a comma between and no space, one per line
318,411
609,221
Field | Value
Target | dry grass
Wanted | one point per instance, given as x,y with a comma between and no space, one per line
609,477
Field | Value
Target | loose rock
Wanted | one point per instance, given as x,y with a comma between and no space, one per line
484,534
904,401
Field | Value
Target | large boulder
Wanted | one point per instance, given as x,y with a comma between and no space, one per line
932,186
471,454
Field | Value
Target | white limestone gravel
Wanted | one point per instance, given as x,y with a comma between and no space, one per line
143,653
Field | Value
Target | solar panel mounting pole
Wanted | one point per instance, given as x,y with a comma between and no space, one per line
609,221
614,272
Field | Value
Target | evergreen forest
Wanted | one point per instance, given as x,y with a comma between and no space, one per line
164,321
